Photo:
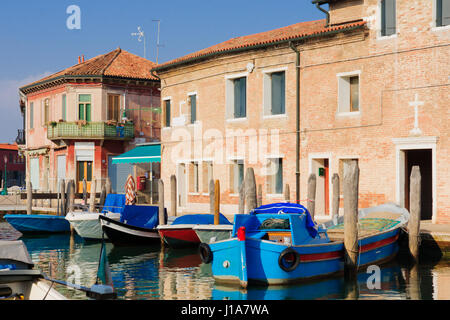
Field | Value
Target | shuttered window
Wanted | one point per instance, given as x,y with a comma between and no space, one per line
114,107
31,115
442,13
84,107
167,112
388,17
240,97
193,102
63,107
278,93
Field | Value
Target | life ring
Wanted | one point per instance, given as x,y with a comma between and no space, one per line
205,252
289,259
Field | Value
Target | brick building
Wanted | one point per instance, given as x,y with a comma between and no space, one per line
370,82
79,118
15,165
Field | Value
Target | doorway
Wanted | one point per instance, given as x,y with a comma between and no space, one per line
321,168
84,171
423,159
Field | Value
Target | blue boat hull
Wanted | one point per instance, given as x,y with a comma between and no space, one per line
316,261
38,223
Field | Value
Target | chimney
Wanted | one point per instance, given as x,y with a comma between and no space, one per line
82,58
79,59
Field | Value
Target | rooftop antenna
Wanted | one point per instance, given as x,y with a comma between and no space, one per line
157,41
140,34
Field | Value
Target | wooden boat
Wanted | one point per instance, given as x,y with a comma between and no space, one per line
18,279
38,223
181,233
274,249
211,233
137,226
87,224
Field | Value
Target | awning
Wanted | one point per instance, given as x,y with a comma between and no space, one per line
140,154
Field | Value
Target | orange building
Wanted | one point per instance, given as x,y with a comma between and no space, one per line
369,82
79,118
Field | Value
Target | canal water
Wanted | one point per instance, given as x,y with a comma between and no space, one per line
170,274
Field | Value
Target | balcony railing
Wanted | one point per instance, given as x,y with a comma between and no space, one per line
90,130
20,136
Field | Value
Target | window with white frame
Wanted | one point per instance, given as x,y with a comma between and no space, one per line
275,93
236,175
442,13
236,97
388,18
349,93
167,116
275,176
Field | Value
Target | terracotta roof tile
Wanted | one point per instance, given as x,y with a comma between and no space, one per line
117,63
295,31
7,146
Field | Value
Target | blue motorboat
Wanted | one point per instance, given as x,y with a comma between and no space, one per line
38,223
280,244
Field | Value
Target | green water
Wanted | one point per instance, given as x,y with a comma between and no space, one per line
170,274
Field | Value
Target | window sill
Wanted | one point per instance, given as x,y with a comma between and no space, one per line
193,193
237,120
196,123
166,128
381,38
274,195
348,114
234,195
441,28
275,116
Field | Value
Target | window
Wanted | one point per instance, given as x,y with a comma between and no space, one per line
442,13
193,103
167,113
240,97
63,107
207,173
193,178
46,111
349,93
84,107
236,175
31,115
274,93
114,107
388,18
275,177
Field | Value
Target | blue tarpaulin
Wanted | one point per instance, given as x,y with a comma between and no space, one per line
200,219
140,216
114,203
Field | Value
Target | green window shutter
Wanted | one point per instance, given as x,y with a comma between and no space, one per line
279,177
240,97
167,112
64,107
88,112
193,108
31,115
81,111
388,17
278,92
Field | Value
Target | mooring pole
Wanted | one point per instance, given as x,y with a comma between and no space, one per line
217,202
173,195
250,190
287,193
351,184
336,195
259,196
161,215
415,212
62,190
311,201
242,197
29,197
212,186
92,195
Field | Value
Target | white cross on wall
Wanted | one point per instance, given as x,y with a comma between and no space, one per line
416,104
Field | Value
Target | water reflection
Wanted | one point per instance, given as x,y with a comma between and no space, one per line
156,272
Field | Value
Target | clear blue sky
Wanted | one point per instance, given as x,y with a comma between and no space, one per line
36,42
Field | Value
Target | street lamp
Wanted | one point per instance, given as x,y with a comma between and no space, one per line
5,189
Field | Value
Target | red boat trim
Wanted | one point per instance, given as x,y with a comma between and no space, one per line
187,235
315,257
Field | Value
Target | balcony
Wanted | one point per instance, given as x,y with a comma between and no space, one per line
90,130
20,139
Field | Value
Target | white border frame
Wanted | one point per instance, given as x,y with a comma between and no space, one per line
229,107
348,113
266,73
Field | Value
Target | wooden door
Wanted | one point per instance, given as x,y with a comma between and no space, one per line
84,171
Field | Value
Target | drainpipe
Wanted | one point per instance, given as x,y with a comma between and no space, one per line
297,122
318,6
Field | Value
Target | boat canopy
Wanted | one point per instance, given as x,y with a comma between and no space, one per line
141,154
14,251
140,216
114,203
200,219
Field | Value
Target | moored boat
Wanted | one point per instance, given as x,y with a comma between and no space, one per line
137,226
211,233
87,224
181,233
274,249
38,223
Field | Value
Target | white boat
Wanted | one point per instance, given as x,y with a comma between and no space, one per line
209,233
18,279
87,224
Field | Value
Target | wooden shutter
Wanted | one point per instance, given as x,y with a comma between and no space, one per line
31,115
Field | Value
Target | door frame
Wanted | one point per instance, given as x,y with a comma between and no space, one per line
185,183
323,156
414,143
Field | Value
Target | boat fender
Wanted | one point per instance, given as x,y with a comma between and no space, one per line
289,259
205,252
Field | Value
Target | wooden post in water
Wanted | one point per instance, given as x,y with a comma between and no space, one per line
287,193
336,195
242,198
108,186
71,194
162,219
311,201
217,202
415,212
84,192
211,196
173,195
351,184
62,192
92,195
101,201
250,190
259,196
29,197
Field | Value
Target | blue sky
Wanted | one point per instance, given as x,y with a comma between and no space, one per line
35,41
